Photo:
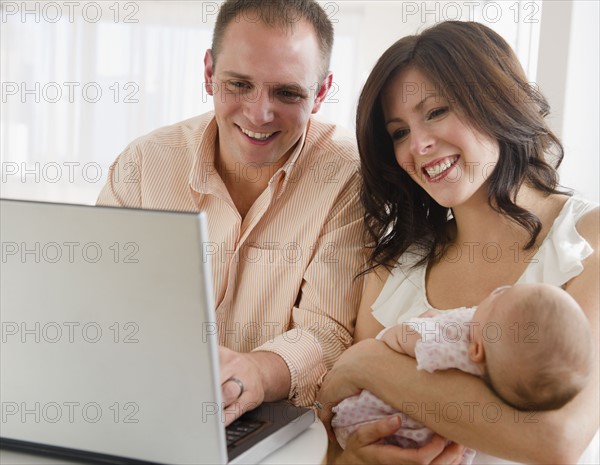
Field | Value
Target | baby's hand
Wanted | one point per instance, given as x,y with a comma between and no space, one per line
402,338
392,337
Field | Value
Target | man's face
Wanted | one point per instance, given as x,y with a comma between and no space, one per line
265,84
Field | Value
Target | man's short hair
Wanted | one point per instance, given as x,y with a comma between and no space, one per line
276,13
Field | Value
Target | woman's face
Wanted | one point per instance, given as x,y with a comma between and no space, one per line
442,154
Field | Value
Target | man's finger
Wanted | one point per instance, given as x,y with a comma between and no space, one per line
237,409
231,413
231,392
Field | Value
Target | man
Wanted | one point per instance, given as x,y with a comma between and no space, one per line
281,195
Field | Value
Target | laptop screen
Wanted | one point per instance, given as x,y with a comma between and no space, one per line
102,342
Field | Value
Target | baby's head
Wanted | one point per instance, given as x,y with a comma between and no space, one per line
536,343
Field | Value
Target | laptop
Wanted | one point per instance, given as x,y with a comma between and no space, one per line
109,352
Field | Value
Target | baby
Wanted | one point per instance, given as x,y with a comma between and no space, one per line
531,343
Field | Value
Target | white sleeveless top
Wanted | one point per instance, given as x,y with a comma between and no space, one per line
558,259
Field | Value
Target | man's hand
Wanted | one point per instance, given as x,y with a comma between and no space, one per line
249,379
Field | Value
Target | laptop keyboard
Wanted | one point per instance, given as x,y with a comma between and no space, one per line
240,429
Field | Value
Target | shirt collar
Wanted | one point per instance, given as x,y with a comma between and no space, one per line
203,177
282,176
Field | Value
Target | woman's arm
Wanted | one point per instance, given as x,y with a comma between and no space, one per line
366,325
364,445
460,407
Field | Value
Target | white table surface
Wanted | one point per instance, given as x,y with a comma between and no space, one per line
310,447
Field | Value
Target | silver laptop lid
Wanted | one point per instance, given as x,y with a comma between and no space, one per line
104,344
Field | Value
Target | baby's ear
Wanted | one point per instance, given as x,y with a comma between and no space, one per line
476,352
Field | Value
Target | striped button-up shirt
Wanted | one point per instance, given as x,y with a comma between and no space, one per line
284,275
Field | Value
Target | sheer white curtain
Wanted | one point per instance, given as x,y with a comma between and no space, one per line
80,80
76,90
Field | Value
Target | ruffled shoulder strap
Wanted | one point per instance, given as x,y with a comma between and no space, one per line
403,294
560,256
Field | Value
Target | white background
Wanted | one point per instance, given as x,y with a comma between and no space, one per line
58,135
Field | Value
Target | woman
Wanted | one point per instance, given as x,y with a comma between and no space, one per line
461,196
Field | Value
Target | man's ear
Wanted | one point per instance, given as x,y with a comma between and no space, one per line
476,352
208,72
322,92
